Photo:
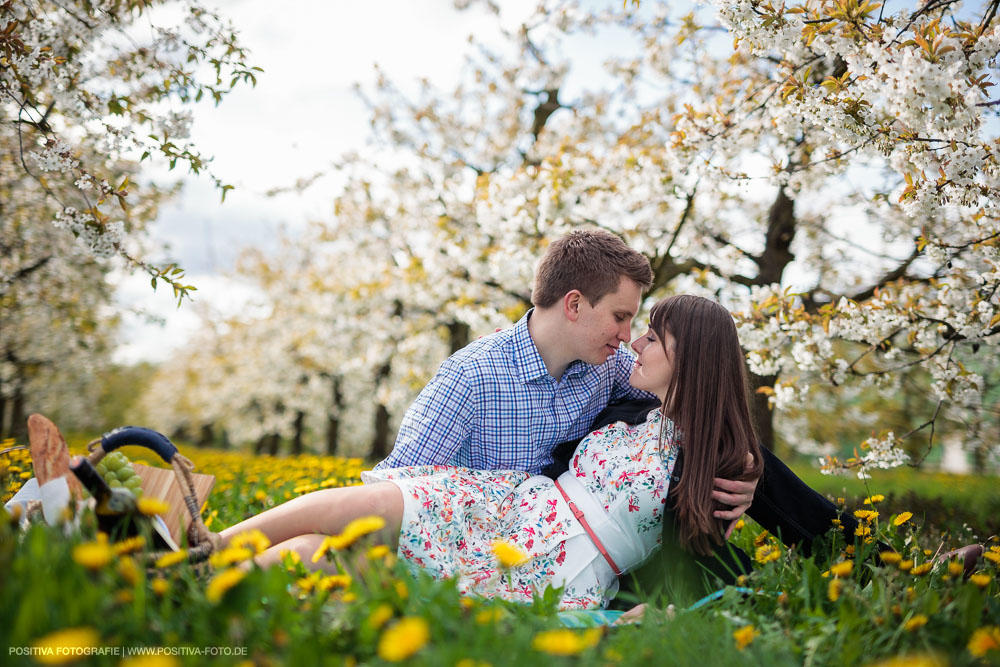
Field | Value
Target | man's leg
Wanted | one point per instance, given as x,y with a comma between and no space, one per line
791,509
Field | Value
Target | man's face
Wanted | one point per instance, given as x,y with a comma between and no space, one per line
602,327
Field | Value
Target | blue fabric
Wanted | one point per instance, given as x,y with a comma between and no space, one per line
494,406
589,619
598,617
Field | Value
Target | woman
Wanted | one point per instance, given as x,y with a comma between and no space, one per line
601,518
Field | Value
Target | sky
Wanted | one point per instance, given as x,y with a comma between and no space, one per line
300,117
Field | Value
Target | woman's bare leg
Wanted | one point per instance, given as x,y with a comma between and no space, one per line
325,512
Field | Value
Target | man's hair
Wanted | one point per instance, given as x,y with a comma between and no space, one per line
590,260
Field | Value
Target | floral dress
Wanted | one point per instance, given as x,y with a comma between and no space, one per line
452,516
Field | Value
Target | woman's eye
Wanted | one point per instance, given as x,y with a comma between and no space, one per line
651,338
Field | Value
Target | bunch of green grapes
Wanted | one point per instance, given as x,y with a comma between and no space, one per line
119,473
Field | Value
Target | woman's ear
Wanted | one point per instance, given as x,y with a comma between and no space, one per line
571,305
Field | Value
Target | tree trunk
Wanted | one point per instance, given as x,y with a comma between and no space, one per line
380,444
3,417
333,420
273,443
300,420
267,444
18,423
207,436
760,411
458,336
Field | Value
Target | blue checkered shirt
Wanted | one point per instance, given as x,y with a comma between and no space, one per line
493,406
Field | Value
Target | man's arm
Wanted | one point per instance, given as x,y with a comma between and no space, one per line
438,423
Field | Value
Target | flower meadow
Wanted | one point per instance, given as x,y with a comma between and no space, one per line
875,598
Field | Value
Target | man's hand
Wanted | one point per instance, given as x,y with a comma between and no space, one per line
735,493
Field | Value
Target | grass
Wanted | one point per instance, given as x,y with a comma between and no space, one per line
836,608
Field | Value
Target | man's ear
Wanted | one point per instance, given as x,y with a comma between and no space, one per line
571,304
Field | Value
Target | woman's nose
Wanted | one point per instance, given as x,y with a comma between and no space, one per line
637,345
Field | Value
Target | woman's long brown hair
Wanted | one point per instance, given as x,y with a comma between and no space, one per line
708,401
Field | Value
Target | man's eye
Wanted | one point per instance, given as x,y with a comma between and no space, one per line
620,318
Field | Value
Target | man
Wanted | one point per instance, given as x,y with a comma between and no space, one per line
521,398
507,400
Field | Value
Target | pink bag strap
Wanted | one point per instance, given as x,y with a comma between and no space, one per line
578,513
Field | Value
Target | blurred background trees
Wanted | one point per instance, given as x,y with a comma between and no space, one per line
827,170
87,92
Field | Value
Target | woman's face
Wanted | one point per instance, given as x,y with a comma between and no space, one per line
654,365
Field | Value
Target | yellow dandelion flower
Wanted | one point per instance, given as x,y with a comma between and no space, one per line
93,555
767,553
992,556
922,569
488,616
866,515
254,540
403,639
65,645
842,569
841,501
862,531
761,538
363,526
172,558
230,556
873,499
565,641
834,589
744,636
129,545
890,557
739,525
306,584
151,506
333,581
955,568
984,640
906,565
902,518
348,597
509,555
160,586
124,596
918,621
401,590
849,549
981,580
222,582
128,570
380,615
378,552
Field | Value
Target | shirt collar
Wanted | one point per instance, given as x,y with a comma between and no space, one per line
528,361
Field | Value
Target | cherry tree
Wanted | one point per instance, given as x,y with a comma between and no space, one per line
826,169
88,91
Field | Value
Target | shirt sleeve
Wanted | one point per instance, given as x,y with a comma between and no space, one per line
438,423
622,388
